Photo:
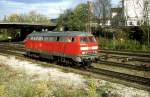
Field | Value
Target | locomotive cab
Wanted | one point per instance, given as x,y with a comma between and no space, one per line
88,49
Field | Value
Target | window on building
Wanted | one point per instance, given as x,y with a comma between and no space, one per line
130,23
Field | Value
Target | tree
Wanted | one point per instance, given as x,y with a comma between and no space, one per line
75,20
31,17
63,18
13,18
78,19
102,11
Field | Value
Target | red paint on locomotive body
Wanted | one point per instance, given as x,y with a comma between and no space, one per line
75,45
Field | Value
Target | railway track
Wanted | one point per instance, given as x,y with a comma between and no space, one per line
132,60
129,78
131,66
127,52
135,56
143,67
137,79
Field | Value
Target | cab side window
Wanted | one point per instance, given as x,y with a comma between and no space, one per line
92,39
83,39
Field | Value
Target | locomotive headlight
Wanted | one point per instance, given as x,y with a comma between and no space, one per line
94,47
83,52
83,48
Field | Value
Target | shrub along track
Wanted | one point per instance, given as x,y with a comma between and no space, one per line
130,80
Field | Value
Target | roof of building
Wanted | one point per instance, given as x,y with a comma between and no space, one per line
67,33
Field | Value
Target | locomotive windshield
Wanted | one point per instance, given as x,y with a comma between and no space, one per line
87,39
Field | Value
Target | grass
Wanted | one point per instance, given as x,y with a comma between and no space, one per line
17,84
123,44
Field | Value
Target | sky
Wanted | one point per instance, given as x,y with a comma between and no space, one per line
50,8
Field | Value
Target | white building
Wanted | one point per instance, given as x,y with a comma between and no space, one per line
117,17
130,13
135,11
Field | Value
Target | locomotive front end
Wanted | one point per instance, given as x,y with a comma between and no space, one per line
88,49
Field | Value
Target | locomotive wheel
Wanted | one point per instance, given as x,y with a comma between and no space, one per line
87,63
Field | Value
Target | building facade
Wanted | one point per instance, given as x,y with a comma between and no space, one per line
133,11
136,12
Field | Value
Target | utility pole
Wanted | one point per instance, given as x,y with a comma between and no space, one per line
62,20
123,13
89,19
147,18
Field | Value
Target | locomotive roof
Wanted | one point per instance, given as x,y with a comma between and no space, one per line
67,33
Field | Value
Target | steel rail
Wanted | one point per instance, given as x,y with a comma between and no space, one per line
127,77
130,66
138,54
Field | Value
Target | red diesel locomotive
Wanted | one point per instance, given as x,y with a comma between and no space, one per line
75,47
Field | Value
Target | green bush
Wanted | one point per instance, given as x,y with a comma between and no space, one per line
3,37
122,44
